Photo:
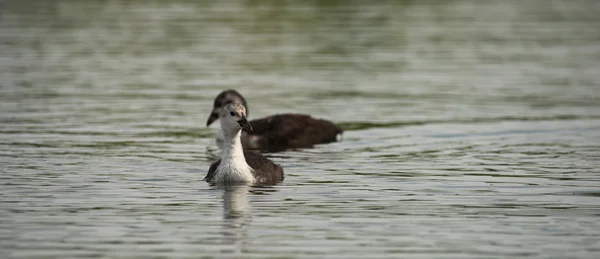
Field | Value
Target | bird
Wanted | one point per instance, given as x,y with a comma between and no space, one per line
277,132
238,166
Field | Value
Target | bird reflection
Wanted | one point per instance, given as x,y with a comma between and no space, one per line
236,217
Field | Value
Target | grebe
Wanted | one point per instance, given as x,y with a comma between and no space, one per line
277,132
237,166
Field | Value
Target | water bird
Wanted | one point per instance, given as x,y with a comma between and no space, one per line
236,165
277,132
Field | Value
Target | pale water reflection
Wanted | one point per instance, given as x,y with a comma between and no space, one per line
472,128
237,215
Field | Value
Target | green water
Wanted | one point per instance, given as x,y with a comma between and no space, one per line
472,128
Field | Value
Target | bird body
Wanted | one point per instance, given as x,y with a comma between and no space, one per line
237,166
277,132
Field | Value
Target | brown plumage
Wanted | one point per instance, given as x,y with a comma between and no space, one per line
283,131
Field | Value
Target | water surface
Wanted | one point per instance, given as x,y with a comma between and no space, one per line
472,128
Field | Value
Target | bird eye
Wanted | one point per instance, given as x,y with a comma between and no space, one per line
232,113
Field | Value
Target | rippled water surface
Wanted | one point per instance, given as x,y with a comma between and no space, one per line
472,128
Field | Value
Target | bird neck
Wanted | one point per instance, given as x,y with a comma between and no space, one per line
232,146
233,167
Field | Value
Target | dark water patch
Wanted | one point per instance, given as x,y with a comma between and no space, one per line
19,120
166,133
356,94
184,133
394,174
62,132
114,144
369,125
584,193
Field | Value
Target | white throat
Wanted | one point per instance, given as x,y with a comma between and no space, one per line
233,167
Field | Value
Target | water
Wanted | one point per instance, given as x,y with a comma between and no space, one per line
472,128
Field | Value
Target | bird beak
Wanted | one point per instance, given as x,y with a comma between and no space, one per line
213,117
245,125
